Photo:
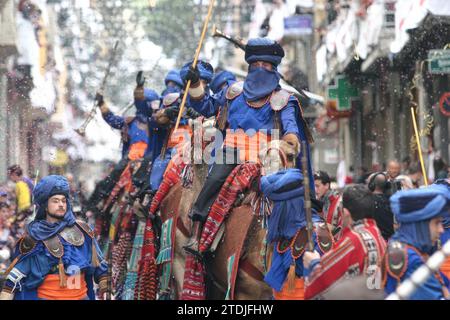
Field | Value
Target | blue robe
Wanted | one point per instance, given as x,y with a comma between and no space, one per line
137,130
242,116
37,263
430,290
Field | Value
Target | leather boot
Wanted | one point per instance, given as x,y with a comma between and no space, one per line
192,246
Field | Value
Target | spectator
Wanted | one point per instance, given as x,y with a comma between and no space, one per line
378,185
322,184
415,174
24,188
440,167
406,163
6,239
393,170
362,175
3,196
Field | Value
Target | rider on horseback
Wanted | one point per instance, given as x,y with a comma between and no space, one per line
254,112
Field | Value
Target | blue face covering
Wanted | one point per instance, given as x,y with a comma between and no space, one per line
260,82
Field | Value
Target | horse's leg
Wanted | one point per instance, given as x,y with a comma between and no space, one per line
247,287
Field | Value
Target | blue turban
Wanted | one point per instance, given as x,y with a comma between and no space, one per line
143,107
206,70
420,204
174,76
444,183
263,49
220,78
414,209
41,229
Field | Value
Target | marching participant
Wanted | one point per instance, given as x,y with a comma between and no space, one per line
167,116
251,112
58,258
171,93
359,251
287,232
419,213
135,137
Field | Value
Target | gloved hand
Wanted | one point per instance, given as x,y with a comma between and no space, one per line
193,75
99,99
139,93
104,108
161,117
191,113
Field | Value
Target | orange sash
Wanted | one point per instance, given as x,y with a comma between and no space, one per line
445,268
297,294
249,147
51,290
137,150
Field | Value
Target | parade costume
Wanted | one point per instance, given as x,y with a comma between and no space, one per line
411,245
135,140
287,233
220,80
169,96
248,120
359,252
135,130
173,140
445,268
332,212
50,255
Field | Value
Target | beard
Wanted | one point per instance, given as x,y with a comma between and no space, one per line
58,215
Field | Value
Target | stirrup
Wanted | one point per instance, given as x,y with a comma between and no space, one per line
188,248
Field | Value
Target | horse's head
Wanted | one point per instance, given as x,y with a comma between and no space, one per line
278,155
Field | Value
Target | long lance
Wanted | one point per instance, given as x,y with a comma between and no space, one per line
194,63
410,285
239,43
82,130
309,224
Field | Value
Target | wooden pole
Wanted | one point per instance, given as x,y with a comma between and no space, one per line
425,178
194,63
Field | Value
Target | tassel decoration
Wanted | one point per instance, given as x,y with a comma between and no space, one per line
62,275
291,277
94,260
222,120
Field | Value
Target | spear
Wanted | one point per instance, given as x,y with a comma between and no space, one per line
419,147
418,278
309,224
194,63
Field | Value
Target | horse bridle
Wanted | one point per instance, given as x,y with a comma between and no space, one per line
281,153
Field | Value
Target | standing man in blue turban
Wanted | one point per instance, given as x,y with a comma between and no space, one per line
58,258
255,111
419,213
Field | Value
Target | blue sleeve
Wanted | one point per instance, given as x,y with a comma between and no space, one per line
431,289
30,270
289,118
101,270
210,104
114,121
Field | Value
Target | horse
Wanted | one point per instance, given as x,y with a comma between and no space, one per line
253,256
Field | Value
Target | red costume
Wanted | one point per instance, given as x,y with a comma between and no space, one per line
359,251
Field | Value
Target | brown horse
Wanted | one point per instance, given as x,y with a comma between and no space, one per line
242,230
